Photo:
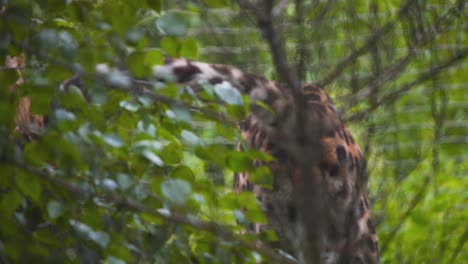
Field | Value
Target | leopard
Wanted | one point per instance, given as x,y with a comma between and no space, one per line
326,164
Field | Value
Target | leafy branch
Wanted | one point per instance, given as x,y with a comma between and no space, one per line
135,206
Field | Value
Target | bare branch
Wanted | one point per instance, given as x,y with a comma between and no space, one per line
440,25
371,40
265,24
7,68
390,97
412,205
459,247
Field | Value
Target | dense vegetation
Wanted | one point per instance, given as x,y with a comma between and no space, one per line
128,172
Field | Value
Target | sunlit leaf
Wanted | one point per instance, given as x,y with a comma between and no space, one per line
189,48
113,140
176,191
151,156
190,137
55,209
30,185
170,45
228,93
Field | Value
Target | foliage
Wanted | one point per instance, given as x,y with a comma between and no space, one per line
123,174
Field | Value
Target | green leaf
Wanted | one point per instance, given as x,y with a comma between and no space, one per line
129,106
239,162
190,137
262,176
151,156
124,181
113,140
228,93
177,191
55,209
140,62
151,218
136,65
30,185
182,172
41,97
36,153
189,48
113,260
153,57
99,237
174,23
63,23
170,45
172,154
9,202
72,98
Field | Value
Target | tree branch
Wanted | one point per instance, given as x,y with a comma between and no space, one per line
390,97
371,40
412,205
459,247
264,20
393,71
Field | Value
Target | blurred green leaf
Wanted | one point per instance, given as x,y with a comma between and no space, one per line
189,48
182,172
228,93
151,156
134,62
190,137
262,176
30,185
177,191
174,23
170,45
9,202
172,154
55,209
36,153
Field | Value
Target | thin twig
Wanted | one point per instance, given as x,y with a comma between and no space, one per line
371,40
412,205
459,247
265,24
7,68
393,71
390,97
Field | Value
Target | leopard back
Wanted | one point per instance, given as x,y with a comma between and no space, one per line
331,172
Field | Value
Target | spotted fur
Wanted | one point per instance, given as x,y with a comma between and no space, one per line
349,236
